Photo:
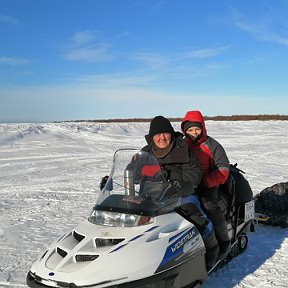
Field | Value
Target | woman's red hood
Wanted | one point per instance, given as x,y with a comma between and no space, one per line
195,116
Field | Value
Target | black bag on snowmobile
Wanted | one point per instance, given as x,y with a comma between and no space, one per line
243,191
234,192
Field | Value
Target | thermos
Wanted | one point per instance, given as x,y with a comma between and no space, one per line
129,182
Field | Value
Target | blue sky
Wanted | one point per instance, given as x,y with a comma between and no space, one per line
99,59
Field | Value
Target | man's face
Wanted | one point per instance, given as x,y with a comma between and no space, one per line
162,140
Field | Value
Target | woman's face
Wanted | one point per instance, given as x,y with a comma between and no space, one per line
194,131
162,140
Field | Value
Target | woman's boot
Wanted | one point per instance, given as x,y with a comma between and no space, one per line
224,241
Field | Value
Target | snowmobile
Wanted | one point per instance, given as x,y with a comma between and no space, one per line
135,238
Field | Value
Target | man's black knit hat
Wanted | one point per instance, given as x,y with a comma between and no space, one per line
160,124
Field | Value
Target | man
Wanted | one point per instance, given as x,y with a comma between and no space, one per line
178,164
214,165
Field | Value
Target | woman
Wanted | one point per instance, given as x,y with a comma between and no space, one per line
214,165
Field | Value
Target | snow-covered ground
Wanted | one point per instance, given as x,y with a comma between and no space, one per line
49,176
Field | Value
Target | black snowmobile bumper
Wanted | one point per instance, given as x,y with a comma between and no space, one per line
189,274
168,282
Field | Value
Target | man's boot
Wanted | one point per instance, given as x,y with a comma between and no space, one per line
212,250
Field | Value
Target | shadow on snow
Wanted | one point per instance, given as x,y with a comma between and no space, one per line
262,245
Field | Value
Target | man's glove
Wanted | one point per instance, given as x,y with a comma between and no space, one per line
103,182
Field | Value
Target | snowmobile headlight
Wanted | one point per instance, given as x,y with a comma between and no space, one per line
116,219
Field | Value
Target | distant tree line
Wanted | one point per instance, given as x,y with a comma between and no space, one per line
261,117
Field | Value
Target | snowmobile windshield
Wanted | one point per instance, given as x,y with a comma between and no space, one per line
136,186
